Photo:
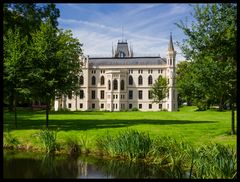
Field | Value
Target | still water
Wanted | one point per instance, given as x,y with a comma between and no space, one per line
33,165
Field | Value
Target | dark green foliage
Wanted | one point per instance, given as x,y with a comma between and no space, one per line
135,109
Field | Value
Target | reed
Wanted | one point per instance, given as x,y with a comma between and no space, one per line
215,161
180,158
84,143
48,139
129,144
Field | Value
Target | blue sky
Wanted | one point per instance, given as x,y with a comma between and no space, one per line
145,26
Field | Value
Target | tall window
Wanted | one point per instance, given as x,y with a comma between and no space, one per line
130,106
81,95
93,94
81,81
140,94
160,106
150,94
130,80
150,80
122,84
93,80
102,94
102,80
130,94
70,95
140,80
109,85
115,84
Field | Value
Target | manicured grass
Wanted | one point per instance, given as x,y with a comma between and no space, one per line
187,124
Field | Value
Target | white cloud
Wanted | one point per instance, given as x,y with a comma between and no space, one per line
147,32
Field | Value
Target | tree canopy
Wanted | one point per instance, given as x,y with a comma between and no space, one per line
159,89
211,49
40,60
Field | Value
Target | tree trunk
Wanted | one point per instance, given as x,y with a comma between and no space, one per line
220,104
47,113
233,119
15,110
11,104
76,102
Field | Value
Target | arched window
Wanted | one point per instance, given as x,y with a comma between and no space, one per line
93,80
130,80
81,80
109,85
140,80
115,84
102,80
122,84
150,80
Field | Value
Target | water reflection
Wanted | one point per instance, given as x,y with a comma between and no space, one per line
29,165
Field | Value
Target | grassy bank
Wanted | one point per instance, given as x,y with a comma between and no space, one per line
195,127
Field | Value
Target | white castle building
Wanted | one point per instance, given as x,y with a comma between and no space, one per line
122,82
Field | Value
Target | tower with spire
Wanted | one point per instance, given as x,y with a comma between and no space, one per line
171,78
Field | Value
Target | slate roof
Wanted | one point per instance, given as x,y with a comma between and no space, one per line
127,61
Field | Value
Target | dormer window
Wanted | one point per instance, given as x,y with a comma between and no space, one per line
122,55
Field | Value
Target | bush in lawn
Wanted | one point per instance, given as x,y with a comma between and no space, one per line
135,109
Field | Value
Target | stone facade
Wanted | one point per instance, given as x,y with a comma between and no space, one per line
122,82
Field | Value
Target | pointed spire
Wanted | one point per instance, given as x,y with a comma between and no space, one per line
170,45
131,51
112,50
122,33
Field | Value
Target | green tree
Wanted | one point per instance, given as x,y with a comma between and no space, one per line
159,89
211,46
55,63
15,67
184,82
26,18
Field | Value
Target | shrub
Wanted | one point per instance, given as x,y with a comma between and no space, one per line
72,145
48,139
201,104
135,109
63,110
10,141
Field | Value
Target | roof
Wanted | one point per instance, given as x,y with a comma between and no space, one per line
127,61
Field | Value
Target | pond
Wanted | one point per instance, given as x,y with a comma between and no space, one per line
34,165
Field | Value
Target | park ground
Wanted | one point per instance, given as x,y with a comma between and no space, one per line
187,124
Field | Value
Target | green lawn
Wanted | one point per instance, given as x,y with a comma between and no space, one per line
187,124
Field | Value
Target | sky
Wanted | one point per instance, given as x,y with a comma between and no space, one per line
146,27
